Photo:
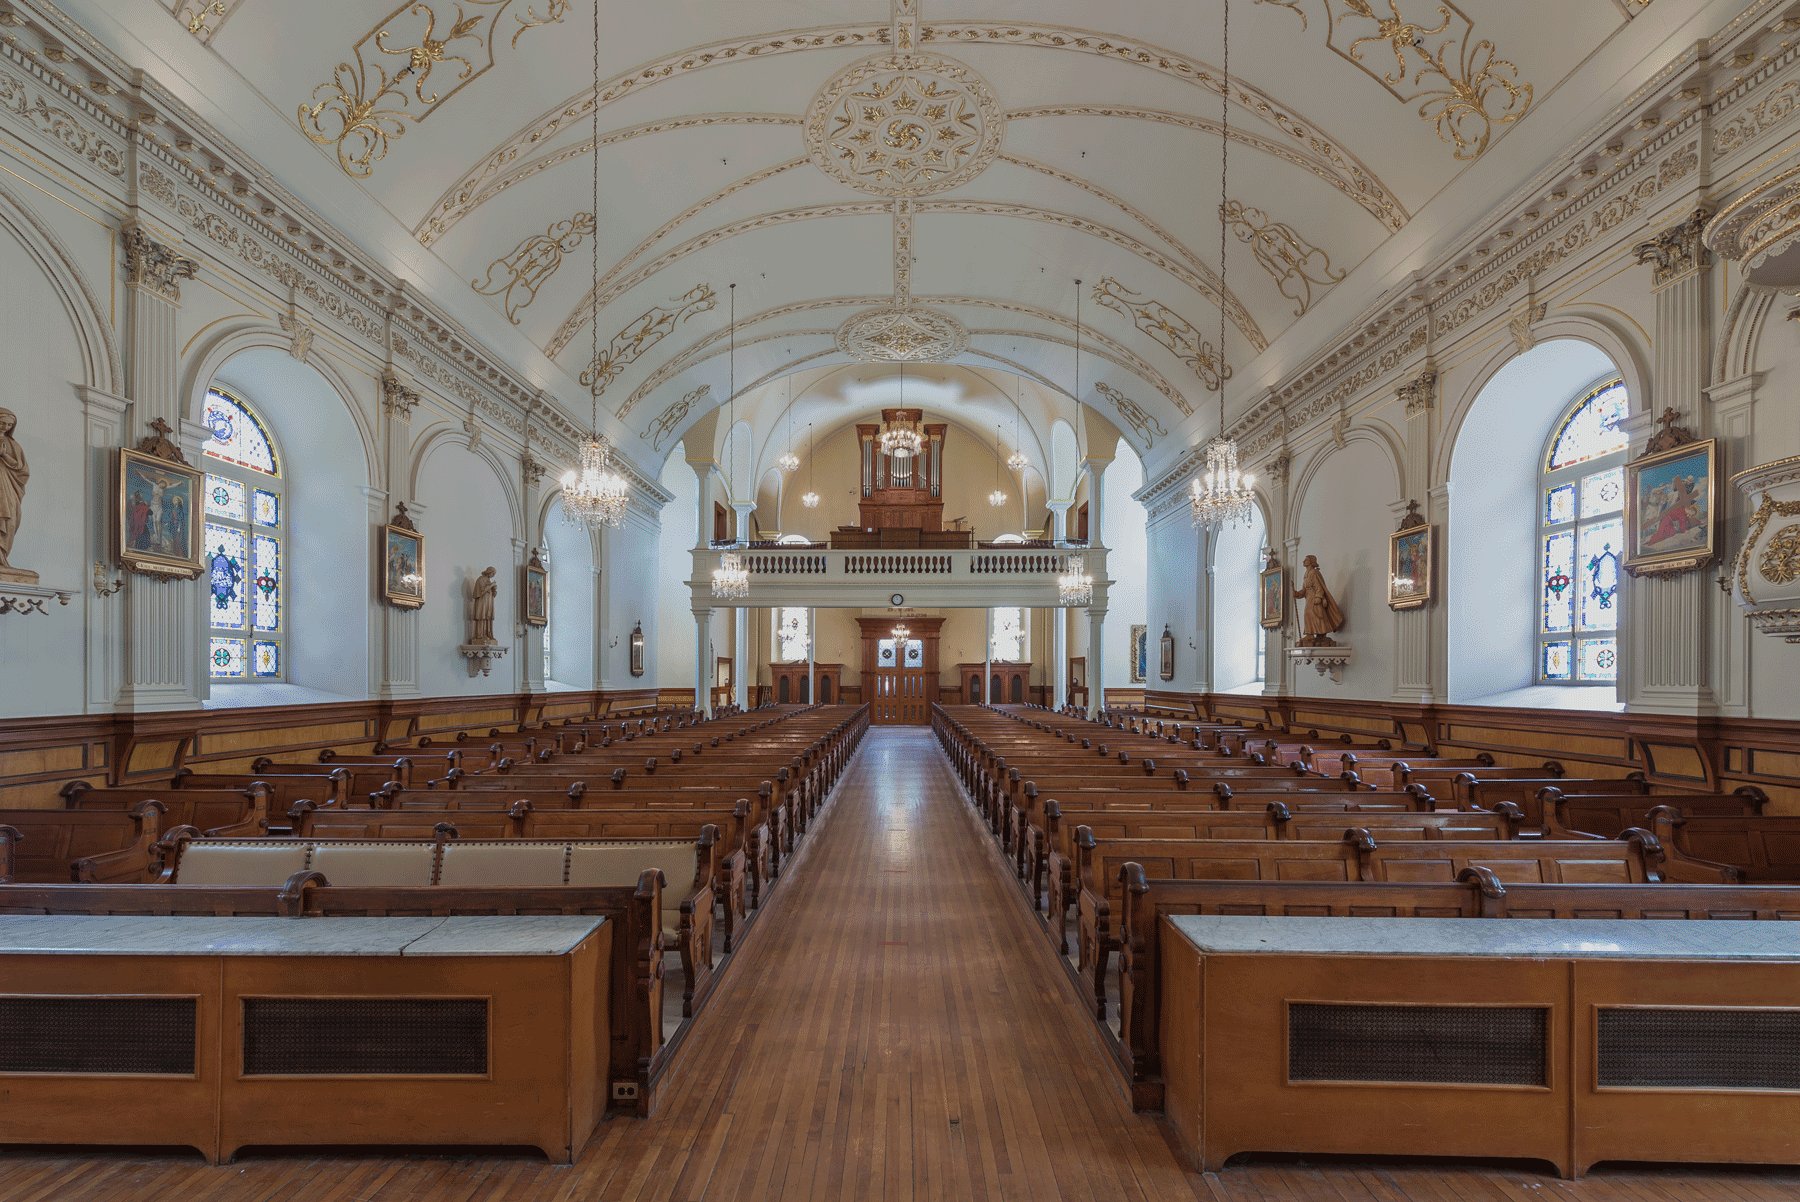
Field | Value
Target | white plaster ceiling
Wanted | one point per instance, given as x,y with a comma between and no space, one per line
1106,167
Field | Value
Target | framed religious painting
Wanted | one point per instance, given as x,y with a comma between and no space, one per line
1410,554
1167,671
1272,599
402,567
637,649
159,515
1140,654
536,608
1672,510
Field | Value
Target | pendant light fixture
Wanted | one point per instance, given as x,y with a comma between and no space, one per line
595,495
811,498
1017,461
731,579
902,437
1223,494
997,498
789,462
1075,588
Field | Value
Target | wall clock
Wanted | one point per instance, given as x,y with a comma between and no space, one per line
897,600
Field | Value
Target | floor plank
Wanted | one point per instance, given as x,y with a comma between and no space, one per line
897,1028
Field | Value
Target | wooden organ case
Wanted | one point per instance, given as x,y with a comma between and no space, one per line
906,493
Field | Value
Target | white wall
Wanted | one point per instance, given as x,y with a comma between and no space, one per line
669,638
1344,520
574,601
468,526
1128,565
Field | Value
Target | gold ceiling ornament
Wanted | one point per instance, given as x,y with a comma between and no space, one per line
902,335
904,124
1146,425
205,18
670,419
1296,265
362,108
532,262
630,343
1463,88
1760,227
1168,328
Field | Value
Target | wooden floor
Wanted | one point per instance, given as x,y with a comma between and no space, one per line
896,1028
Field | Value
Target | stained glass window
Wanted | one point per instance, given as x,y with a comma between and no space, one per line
1559,505
1581,537
794,632
915,654
227,658
224,498
225,564
1009,634
1591,431
242,551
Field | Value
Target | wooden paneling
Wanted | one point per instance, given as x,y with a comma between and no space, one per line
67,758
325,734
161,756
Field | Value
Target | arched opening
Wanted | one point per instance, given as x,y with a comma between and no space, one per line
1237,632
1502,493
574,601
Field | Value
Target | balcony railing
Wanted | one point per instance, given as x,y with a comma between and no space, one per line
844,577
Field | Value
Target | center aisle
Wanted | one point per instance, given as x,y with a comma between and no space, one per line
897,1028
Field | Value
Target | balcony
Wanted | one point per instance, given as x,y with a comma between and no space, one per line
931,579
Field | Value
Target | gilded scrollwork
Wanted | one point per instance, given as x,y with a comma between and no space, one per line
59,125
532,262
362,108
1144,423
1168,328
1296,265
670,419
896,334
1677,251
1463,87
630,343
154,267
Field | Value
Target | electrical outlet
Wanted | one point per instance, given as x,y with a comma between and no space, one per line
624,1091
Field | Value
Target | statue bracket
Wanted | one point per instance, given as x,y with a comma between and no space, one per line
481,656
22,598
1329,661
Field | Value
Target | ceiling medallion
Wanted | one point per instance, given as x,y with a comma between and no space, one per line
904,125
902,335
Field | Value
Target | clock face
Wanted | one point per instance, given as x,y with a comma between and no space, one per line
897,600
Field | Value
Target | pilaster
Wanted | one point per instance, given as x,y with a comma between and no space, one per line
103,425
1414,681
397,666
532,677
1278,673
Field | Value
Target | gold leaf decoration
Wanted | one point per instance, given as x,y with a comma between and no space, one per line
1464,88
1295,264
362,108
630,343
532,263
1133,413
664,427
1170,329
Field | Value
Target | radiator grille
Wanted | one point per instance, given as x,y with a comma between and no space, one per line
392,1036
135,1035
1444,1045
1699,1049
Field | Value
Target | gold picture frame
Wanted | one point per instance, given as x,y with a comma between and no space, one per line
159,515
402,567
1672,510
1272,596
1140,654
535,584
1412,554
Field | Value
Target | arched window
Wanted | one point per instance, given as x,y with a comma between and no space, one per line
1581,501
793,632
242,544
1009,634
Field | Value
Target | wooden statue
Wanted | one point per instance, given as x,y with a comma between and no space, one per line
1323,617
482,608
14,471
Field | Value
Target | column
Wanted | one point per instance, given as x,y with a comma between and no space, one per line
164,661
531,673
1096,660
1667,619
1277,674
397,669
812,639
1413,644
703,661
1733,423
740,660
987,656
1059,656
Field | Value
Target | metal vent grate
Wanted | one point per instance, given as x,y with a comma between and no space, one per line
1699,1049
1445,1045
393,1036
107,1035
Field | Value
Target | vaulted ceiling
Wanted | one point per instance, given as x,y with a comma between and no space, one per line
838,159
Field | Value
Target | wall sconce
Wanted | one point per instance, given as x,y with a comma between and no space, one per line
102,585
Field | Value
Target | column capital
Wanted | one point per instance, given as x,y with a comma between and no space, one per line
154,266
1677,252
1419,393
396,397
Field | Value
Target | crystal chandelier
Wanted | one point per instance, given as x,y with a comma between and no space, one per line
811,499
901,438
731,579
1223,495
788,462
1018,461
1075,587
595,495
901,637
997,498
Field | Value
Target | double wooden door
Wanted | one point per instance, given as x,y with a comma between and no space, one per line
898,696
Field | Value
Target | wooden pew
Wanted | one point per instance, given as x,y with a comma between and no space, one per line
1762,849
85,845
284,789
1606,814
9,843
1470,792
225,812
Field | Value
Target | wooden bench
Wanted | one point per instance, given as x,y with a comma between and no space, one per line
9,845
284,788
1763,849
1606,814
85,845
1469,792
226,812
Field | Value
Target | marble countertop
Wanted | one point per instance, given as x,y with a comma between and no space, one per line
1518,938
133,935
